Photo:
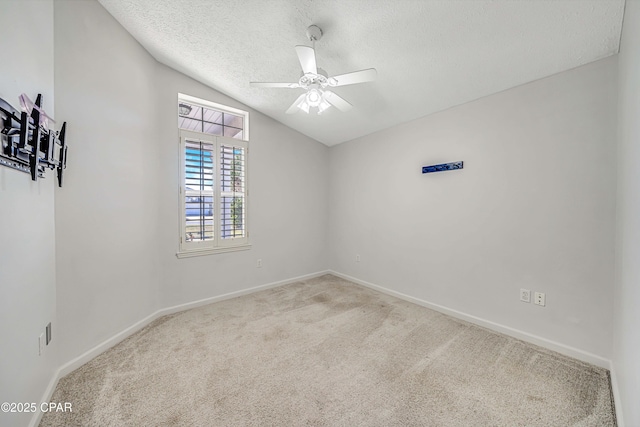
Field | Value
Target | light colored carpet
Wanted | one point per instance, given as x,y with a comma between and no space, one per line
327,352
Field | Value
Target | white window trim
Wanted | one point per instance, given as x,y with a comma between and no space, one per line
216,245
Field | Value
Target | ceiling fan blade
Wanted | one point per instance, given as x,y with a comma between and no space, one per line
361,76
336,101
307,58
294,106
284,85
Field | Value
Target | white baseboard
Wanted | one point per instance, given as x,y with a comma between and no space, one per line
120,336
46,397
617,400
521,335
194,304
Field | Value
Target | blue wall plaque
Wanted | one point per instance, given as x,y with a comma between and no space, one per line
442,167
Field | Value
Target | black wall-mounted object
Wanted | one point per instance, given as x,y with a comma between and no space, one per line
28,145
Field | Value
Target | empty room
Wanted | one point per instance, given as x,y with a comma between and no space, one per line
319,212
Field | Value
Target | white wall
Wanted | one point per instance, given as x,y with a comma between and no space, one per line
626,351
287,204
534,207
27,237
106,214
117,216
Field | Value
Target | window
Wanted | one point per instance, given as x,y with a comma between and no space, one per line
213,183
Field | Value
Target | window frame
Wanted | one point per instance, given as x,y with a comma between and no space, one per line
217,244
219,107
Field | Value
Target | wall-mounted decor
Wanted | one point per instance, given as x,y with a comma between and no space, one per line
442,167
28,143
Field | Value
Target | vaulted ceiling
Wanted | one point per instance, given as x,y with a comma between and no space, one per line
430,54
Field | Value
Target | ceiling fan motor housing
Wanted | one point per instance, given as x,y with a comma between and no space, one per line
309,79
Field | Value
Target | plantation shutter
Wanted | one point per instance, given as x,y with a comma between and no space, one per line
213,194
199,203
232,190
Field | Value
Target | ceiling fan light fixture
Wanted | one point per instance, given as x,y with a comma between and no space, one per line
323,106
304,105
314,97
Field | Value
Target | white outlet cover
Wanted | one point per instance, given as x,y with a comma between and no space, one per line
525,295
540,299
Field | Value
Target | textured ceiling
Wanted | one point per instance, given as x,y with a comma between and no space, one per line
430,54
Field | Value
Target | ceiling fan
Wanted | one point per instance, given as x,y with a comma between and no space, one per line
316,82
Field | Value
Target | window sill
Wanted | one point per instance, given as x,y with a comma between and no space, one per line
213,251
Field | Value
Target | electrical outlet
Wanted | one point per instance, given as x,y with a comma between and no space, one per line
525,295
40,344
259,263
357,258
539,299
48,333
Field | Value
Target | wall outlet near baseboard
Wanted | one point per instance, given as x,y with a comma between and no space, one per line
357,258
525,295
259,263
539,299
